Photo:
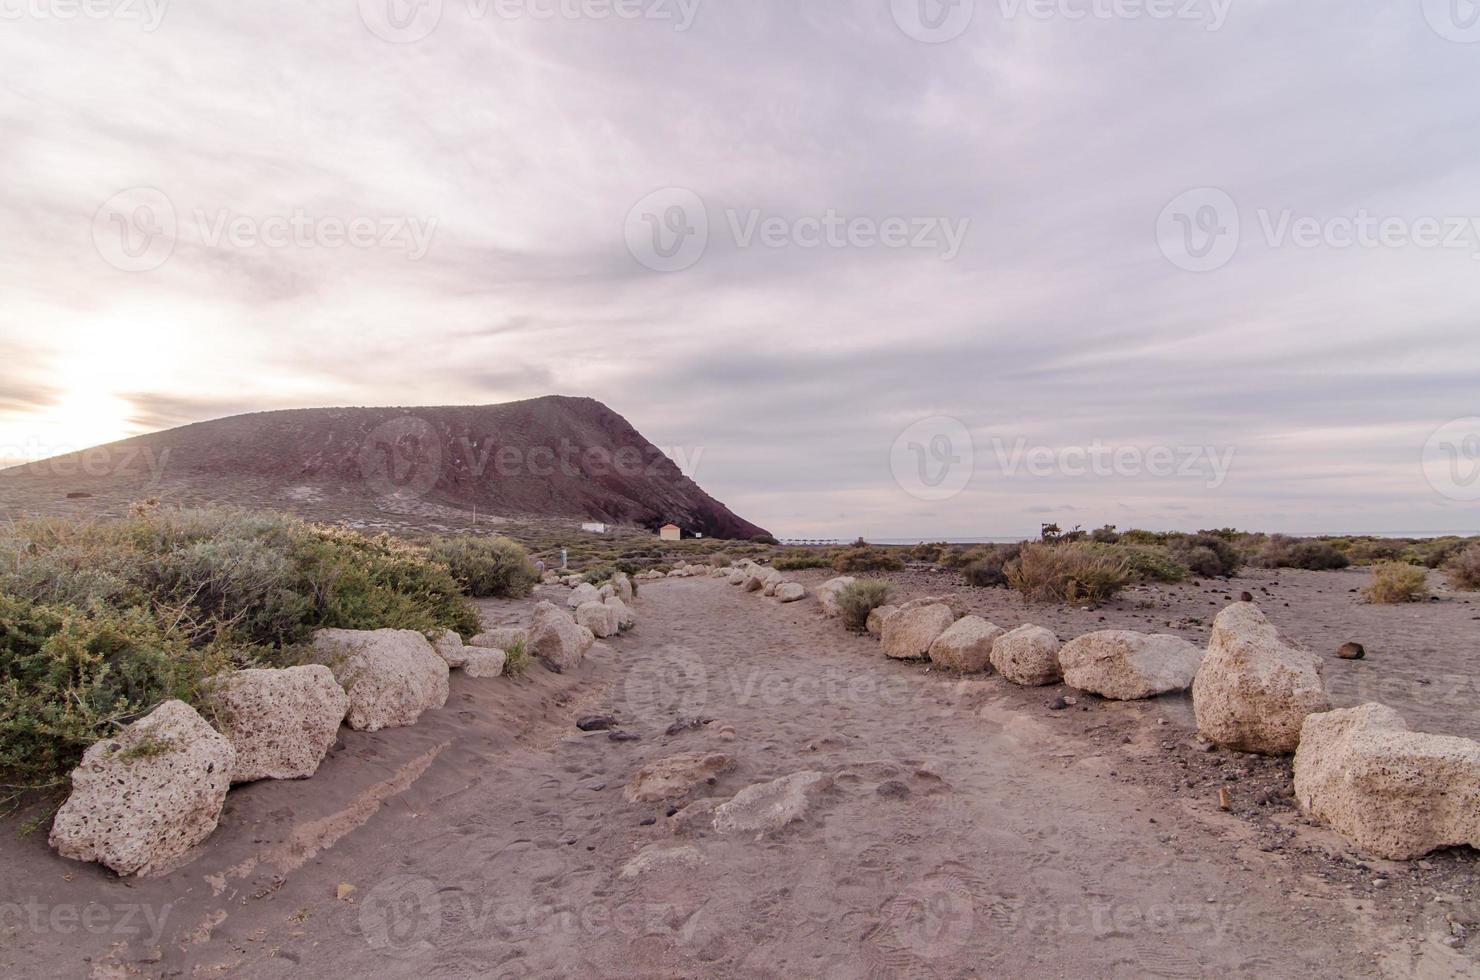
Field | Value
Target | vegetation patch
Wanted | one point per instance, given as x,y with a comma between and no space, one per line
857,599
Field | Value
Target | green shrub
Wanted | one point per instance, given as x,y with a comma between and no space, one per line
1371,551
1105,535
1151,564
765,539
69,676
1074,573
1286,552
1207,555
487,566
1397,582
858,599
797,559
518,658
99,622
866,559
1463,570
990,568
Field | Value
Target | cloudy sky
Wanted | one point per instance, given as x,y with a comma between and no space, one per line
884,267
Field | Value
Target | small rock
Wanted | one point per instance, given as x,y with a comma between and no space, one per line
1352,651
596,723
621,736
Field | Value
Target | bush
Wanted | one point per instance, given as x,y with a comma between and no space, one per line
990,569
100,622
866,559
1463,570
1151,564
517,658
1371,551
487,567
765,539
1396,582
69,676
791,561
1072,573
1208,555
1105,535
858,599
1286,552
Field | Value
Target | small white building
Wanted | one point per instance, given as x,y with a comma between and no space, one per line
594,527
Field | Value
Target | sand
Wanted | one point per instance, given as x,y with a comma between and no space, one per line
971,831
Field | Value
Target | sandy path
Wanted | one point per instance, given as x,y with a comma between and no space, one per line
965,837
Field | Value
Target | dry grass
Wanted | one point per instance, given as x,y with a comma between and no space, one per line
1394,583
859,599
1075,574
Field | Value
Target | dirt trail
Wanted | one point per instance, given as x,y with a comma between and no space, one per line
965,836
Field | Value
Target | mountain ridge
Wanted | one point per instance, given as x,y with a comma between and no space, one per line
552,456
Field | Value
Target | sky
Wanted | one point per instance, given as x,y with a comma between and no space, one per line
892,268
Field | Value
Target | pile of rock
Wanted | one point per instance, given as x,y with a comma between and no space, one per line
769,582
144,798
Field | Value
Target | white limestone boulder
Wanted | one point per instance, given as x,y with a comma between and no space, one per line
143,799
1028,655
1394,793
391,676
1127,666
966,645
281,723
1255,687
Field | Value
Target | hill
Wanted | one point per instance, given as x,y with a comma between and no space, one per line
546,457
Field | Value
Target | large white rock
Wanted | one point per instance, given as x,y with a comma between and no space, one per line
966,645
485,662
391,676
827,594
449,647
875,624
1255,687
672,778
281,723
582,594
768,807
144,798
909,633
599,618
1128,666
556,639
1394,793
1028,655
791,592
626,618
501,638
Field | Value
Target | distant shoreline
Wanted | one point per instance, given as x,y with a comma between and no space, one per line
802,541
